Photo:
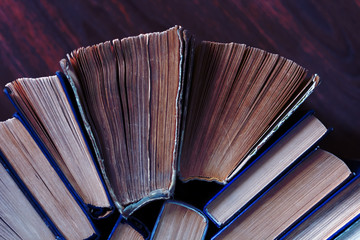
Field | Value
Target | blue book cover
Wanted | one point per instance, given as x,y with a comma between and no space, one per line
268,159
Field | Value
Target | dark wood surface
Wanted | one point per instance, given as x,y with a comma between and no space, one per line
321,35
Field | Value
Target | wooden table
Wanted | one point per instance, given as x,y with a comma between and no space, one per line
321,35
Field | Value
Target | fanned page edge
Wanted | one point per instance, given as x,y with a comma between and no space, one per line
125,210
158,194
315,81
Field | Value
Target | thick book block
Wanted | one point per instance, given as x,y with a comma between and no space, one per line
239,95
179,220
130,96
263,172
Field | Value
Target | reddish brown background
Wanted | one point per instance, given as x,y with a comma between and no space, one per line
323,36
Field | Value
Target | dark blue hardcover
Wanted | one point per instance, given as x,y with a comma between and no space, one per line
270,184
186,206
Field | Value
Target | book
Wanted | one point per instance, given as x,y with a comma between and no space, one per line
19,218
130,95
179,220
44,103
332,217
290,199
152,106
124,231
265,170
239,96
32,167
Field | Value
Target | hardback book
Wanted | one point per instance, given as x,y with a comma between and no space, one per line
265,170
158,104
124,229
178,220
20,219
46,106
42,182
290,199
129,93
333,216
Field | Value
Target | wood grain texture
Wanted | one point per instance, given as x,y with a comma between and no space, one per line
319,35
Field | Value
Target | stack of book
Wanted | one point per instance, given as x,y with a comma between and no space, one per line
126,120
